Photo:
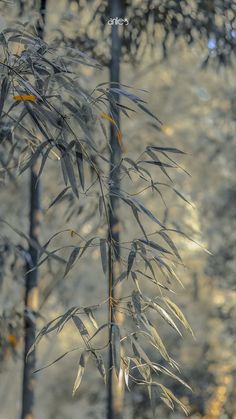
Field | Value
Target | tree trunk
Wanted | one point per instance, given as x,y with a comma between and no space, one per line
31,301
42,12
115,386
21,7
31,280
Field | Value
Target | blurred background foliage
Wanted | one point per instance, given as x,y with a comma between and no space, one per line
193,92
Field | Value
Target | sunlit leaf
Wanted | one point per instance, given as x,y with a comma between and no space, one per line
165,316
91,317
109,118
178,314
82,363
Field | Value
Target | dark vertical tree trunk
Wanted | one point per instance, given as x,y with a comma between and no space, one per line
31,280
31,301
21,7
114,410
42,11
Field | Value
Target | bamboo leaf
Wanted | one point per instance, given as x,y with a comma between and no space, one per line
98,331
131,96
100,206
170,242
109,118
34,157
70,173
82,363
91,317
36,120
178,314
59,197
4,92
149,213
43,162
148,264
161,368
64,172
154,246
143,368
167,402
126,362
189,238
159,343
165,316
3,42
121,277
142,354
30,98
48,115
79,162
182,197
156,339
135,212
116,347
30,88
51,363
136,300
80,326
159,163
131,257
171,397
73,256
87,244
146,110
100,365
167,149
103,252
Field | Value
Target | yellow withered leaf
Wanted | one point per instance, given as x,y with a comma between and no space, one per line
12,340
109,118
30,98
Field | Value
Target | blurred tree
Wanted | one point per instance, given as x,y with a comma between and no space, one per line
31,278
21,7
156,23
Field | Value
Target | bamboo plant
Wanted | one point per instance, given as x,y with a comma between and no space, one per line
55,123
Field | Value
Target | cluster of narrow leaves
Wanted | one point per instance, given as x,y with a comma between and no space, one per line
54,123
137,366
65,123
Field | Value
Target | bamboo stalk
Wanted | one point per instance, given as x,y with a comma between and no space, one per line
114,407
31,301
31,280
